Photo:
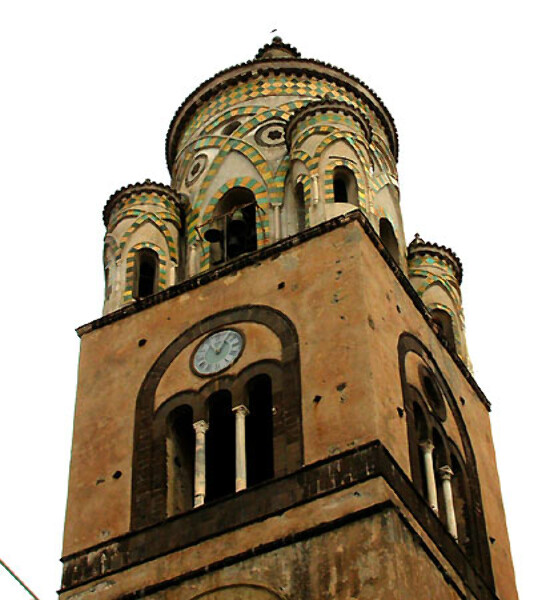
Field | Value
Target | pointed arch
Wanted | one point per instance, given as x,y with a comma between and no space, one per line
308,161
159,224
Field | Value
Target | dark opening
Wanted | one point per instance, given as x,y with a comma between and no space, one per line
300,206
345,188
146,281
231,127
461,508
181,458
259,431
220,447
339,189
232,231
422,436
433,394
446,329
386,232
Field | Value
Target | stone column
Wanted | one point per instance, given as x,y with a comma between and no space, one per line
315,189
200,428
427,448
240,447
277,221
192,259
445,474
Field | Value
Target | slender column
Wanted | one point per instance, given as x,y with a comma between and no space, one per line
315,188
172,273
427,448
445,474
240,447
200,428
192,259
277,221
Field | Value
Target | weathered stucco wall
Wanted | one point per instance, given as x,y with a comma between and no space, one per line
349,310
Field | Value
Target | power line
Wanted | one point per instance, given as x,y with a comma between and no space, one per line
18,580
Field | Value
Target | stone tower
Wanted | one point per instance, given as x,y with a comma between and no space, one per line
277,404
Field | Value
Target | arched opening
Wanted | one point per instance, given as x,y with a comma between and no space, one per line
220,447
146,273
300,206
232,230
446,329
180,460
388,237
259,430
345,188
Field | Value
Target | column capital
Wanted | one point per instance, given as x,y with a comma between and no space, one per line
445,472
201,426
427,445
241,410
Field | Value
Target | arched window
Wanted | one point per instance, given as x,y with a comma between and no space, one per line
220,447
232,230
259,431
146,273
386,233
180,460
345,189
446,329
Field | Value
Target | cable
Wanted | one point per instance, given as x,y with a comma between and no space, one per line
18,580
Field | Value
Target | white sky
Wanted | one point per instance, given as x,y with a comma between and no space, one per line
89,92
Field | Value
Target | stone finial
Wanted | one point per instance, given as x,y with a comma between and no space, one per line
277,49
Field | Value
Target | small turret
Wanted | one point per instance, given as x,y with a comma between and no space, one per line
141,247
436,274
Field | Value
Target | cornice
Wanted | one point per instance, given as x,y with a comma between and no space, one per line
146,186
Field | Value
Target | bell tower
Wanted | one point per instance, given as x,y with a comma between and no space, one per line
277,403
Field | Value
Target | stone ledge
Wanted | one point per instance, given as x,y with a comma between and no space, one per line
256,505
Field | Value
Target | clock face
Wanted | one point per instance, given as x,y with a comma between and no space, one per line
217,352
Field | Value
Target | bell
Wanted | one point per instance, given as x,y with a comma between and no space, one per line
213,235
237,226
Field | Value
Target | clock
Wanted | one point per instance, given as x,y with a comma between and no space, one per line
217,352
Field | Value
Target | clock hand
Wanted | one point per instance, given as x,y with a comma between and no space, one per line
222,343
213,346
